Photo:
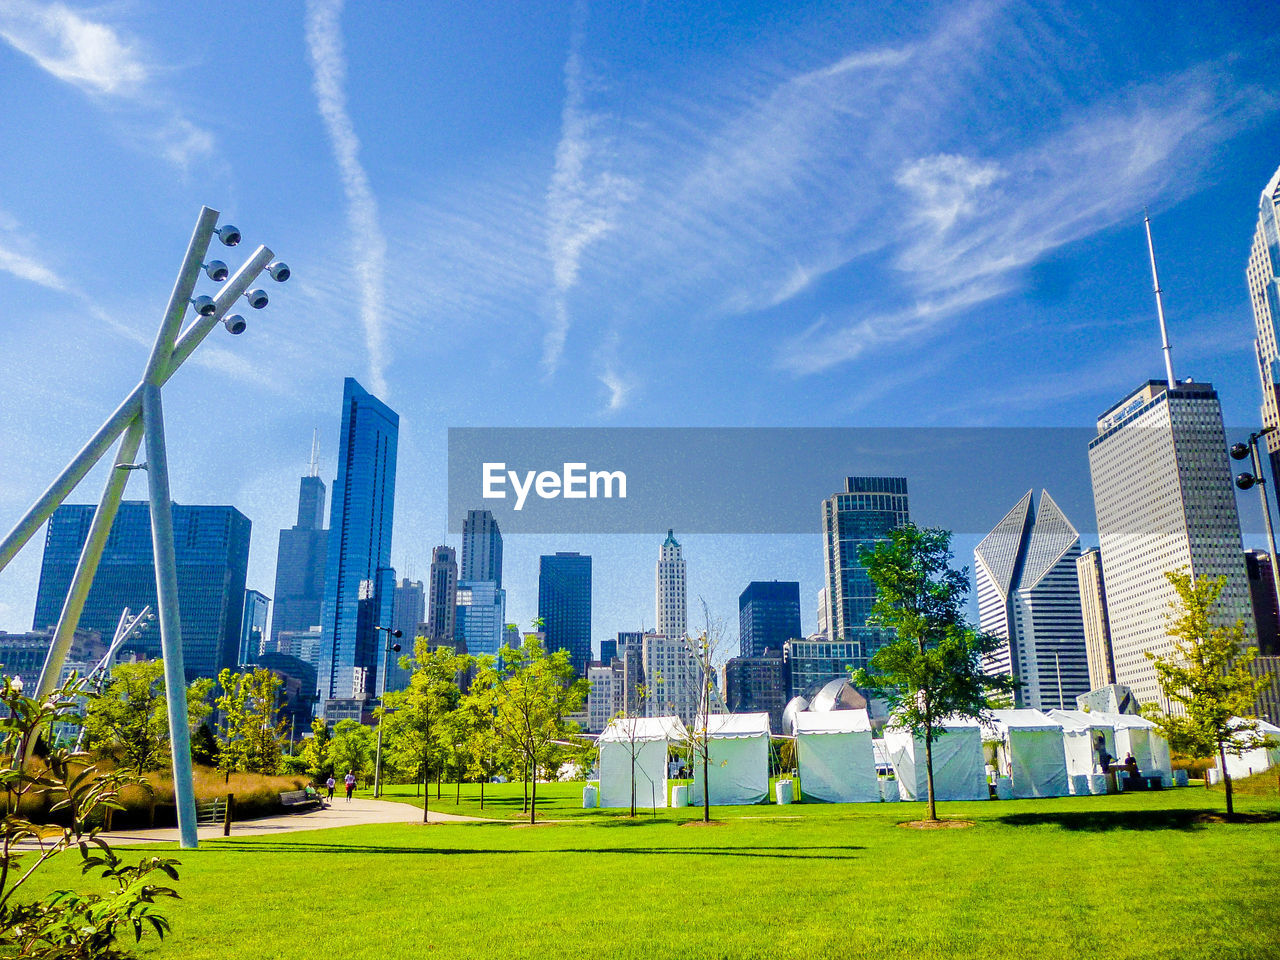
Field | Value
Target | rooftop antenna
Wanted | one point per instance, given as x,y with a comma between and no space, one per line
315,452
1155,280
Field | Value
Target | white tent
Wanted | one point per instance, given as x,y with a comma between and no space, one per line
1258,759
738,759
834,756
644,739
959,772
1080,732
1138,735
1031,752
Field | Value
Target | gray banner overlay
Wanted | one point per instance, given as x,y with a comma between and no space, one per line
767,480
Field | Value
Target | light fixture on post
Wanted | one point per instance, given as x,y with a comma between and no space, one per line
141,415
386,658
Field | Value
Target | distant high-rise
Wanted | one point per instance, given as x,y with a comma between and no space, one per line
253,625
812,662
757,684
768,616
564,605
858,518
1029,596
300,562
1093,611
359,582
1164,500
671,603
824,628
1262,594
481,548
479,618
212,547
407,611
673,678
1262,275
442,589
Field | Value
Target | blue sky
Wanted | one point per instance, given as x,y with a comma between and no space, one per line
644,214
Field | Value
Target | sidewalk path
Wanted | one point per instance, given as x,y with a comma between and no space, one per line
339,814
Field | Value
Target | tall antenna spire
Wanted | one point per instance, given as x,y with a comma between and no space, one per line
315,452
1155,280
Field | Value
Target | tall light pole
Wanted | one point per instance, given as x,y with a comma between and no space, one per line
141,416
1246,480
388,650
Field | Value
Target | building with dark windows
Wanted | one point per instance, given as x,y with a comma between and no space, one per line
359,584
442,595
1262,594
407,611
564,605
212,548
757,685
768,616
857,519
300,564
253,625
481,548
811,663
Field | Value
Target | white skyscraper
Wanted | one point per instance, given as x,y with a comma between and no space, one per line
1264,293
1029,595
1163,495
671,602
1097,627
673,677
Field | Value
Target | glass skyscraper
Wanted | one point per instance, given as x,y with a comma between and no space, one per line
481,548
768,616
212,548
359,584
300,564
253,625
856,519
564,605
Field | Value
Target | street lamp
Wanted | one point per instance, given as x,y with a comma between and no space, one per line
1246,480
390,649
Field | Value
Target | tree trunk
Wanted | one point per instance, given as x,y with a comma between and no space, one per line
439,777
457,796
1226,779
633,780
706,784
928,766
482,780
533,802
426,794
524,779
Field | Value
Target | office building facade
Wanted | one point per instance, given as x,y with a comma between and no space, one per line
212,549
481,548
480,617
408,608
253,625
1029,596
816,660
757,685
359,584
856,519
1262,597
768,616
671,607
1261,275
564,605
300,564
442,594
1164,499
672,678
1093,613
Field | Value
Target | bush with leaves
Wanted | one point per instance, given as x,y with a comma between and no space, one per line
66,924
128,717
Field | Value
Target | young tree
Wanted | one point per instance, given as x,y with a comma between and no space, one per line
129,717
628,730
1208,676
532,692
484,744
933,667
251,735
351,748
706,649
315,752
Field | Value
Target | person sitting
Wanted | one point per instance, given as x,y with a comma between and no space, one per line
1130,763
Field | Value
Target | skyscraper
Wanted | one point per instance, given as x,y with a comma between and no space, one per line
359,582
212,547
407,611
1093,611
1028,594
768,616
1164,500
481,548
442,599
671,605
1262,595
480,617
253,625
300,562
857,518
564,605
1264,293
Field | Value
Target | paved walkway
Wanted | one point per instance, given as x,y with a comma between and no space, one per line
339,814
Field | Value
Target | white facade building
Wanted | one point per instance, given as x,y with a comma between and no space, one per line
670,599
1164,500
1264,294
605,698
1093,609
1028,594
673,677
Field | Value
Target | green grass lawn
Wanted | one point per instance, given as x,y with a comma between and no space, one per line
1132,876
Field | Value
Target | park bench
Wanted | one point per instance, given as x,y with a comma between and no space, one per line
298,800
211,812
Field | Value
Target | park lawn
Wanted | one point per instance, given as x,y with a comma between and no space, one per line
1132,876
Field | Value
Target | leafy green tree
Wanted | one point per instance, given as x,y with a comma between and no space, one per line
129,717
204,746
933,667
351,748
66,923
315,752
485,749
251,732
1208,676
532,693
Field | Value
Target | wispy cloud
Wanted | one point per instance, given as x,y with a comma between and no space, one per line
583,198
97,58
329,69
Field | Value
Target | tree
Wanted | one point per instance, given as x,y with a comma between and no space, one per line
315,752
351,748
251,735
129,716
532,692
485,748
629,738
933,666
706,650
204,746
1208,676
65,923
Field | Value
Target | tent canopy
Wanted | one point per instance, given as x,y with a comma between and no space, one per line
738,762
627,729
835,757
1033,752
635,749
958,767
733,726
833,721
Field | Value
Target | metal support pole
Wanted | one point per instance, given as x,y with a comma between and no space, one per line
167,600
1266,512
377,762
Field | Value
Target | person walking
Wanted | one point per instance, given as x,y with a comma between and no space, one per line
329,785
350,781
